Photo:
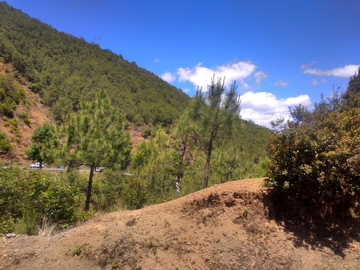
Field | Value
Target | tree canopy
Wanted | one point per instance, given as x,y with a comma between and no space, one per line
95,137
210,118
44,144
316,158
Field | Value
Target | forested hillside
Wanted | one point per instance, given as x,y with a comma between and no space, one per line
66,70
186,144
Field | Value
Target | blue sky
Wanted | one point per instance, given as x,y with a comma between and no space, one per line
281,52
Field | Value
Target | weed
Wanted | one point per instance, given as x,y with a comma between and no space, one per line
154,249
114,264
77,251
217,240
47,228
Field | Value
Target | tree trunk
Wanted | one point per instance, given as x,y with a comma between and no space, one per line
88,193
207,166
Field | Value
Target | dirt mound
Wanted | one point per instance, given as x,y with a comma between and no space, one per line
228,226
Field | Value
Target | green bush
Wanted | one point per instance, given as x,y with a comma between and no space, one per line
134,195
315,160
5,145
28,197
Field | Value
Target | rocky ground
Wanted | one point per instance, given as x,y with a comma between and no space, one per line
228,226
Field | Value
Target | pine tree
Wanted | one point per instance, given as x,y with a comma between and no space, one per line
210,118
95,137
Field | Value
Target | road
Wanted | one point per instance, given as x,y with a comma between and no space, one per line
58,169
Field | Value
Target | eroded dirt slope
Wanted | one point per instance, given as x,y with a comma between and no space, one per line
38,115
228,226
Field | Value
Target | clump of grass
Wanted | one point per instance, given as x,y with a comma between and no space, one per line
47,228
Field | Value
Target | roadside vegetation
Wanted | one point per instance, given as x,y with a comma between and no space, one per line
315,159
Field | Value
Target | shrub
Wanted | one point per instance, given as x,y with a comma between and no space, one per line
147,132
315,160
29,197
134,195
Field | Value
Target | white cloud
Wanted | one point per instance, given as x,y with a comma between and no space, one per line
260,76
314,82
281,83
156,60
186,90
343,72
168,77
264,107
239,71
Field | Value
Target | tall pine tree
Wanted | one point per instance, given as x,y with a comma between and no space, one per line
96,137
210,118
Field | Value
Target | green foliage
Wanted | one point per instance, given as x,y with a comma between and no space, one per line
25,117
95,137
5,145
66,70
28,197
210,118
44,144
316,158
134,195
147,132
143,155
10,95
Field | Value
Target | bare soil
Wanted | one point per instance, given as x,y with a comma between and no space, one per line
38,115
227,226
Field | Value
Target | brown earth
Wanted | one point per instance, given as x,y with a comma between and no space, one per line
227,226
38,115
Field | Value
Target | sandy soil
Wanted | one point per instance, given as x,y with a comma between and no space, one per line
228,226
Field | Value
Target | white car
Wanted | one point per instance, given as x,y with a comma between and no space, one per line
36,165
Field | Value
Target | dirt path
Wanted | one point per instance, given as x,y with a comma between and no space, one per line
228,226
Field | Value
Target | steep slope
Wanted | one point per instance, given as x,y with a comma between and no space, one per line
66,70
37,112
228,226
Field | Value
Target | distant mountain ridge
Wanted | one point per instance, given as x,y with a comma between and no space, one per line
66,70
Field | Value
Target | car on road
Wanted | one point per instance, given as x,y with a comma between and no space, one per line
99,169
36,165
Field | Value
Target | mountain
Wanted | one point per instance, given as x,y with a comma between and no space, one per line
66,70
48,73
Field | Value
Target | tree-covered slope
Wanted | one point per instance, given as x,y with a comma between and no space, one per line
66,70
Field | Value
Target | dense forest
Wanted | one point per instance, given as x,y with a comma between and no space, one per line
66,70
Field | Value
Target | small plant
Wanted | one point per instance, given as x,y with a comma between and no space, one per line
114,264
7,123
154,249
147,132
77,251
25,117
14,122
5,119
217,240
